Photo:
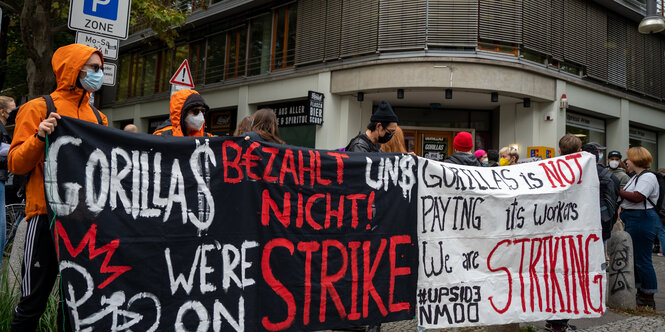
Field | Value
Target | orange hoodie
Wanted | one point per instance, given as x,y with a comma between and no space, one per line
181,99
26,154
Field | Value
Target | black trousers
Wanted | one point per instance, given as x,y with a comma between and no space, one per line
40,271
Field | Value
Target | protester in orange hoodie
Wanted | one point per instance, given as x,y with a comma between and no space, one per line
187,117
79,71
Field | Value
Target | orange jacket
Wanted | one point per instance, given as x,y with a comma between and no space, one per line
26,154
174,125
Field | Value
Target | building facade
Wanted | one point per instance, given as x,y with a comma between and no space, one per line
513,72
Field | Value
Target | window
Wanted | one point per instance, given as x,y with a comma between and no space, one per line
122,87
216,58
647,139
197,52
486,45
236,52
588,129
284,37
149,83
259,45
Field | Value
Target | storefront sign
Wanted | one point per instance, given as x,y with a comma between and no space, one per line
585,122
642,135
435,148
301,112
543,152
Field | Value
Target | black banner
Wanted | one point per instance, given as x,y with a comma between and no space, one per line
169,233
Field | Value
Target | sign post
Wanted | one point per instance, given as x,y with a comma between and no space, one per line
108,18
182,79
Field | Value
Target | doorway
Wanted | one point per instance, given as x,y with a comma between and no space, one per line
428,143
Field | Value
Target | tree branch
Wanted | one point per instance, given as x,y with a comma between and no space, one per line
11,5
59,28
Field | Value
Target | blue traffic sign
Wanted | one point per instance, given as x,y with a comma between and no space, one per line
107,9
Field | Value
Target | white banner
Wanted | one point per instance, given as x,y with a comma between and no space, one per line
510,244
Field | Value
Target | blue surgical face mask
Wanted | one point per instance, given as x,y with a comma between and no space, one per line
600,156
93,80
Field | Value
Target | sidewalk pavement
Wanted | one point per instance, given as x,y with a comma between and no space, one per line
612,320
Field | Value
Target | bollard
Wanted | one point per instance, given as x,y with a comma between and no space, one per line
620,272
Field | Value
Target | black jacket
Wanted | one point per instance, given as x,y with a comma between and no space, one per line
362,143
4,138
463,158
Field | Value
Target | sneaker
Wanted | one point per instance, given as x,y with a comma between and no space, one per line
659,254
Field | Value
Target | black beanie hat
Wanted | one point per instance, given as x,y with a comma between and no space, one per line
384,113
591,148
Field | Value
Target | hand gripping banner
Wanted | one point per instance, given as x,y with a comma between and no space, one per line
210,234
510,244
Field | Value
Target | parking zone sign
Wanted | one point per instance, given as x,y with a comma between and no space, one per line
103,17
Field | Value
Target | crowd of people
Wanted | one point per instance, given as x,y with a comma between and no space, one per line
78,74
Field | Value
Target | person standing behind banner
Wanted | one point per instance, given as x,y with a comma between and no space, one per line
244,126
396,143
187,115
614,164
6,105
509,156
78,71
131,128
481,155
380,130
568,144
264,127
642,221
463,144
492,158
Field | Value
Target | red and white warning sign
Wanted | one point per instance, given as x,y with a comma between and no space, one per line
183,76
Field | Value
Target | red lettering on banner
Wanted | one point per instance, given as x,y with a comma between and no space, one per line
288,166
370,262
328,280
507,272
231,164
308,248
340,165
301,214
339,213
269,204
90,239
277,286
311,169
397,271
308,211
266,173
370,210
579,167
319,179
249,161
354,314
354,208
572,257
368,276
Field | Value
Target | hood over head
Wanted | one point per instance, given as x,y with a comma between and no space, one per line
181,101
68,61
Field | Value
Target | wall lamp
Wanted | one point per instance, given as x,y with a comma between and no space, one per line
563,104
400,93
449,93
361,96
494,97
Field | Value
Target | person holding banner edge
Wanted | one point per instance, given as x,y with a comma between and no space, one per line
642,221
78,71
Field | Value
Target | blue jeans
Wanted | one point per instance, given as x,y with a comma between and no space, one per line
643,226
3,221
661,238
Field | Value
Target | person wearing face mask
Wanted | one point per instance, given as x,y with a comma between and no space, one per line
383,124
463,144
509,156
481,155
78,71
614,164
187,115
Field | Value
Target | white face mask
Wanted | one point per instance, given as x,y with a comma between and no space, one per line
195,122
614,164
484,161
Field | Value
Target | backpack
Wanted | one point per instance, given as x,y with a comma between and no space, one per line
609,193
659,206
